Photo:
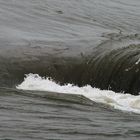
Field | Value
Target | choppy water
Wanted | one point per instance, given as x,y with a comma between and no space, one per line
91,50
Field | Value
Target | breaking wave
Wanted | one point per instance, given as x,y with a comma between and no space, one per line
113,64
73,41
124,102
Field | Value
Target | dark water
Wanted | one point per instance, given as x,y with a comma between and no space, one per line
93,42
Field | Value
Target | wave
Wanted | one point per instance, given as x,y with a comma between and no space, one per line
77,42
124,102
113,64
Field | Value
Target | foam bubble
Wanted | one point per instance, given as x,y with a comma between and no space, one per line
125,102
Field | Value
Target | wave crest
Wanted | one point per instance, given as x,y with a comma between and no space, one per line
125,102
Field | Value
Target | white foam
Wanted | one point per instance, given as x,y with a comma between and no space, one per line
125,102
138,61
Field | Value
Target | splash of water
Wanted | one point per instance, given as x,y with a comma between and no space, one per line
124,102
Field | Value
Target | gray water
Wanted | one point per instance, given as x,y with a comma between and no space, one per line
28,115
64,28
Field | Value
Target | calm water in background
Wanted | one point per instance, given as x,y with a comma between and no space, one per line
78,25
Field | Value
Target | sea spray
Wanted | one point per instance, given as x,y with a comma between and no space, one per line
124,102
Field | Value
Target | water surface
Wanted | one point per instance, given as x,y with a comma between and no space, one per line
81,42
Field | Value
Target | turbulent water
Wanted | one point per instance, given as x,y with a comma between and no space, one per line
69,69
